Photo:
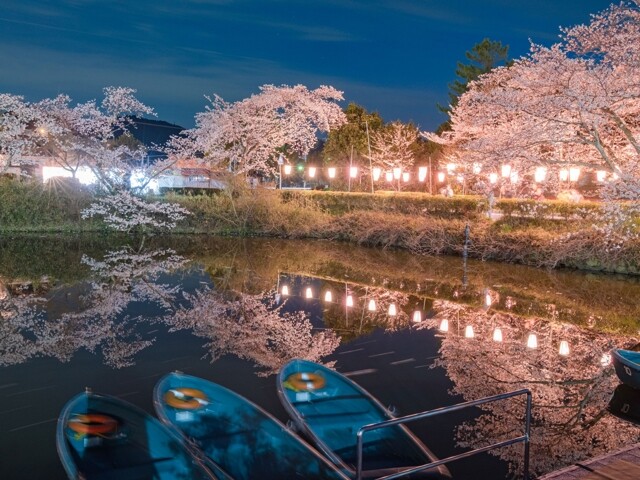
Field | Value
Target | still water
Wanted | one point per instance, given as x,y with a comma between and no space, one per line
82,312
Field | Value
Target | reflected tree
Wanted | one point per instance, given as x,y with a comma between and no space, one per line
570,393
254,328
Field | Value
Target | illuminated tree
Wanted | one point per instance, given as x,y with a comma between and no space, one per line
253,328
570,393
16,116
245,136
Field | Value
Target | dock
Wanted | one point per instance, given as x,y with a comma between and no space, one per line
623,464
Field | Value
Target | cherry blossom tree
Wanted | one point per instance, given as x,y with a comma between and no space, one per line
245,136
16,116
574,104
570,393
82,136
254,328
392,147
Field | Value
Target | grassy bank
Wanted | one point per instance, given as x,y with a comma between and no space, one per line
541,234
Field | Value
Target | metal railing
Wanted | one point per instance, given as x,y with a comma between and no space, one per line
454,408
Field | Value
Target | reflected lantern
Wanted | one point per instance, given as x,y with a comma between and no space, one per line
497,335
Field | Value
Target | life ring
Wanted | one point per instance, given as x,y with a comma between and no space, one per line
185,398
93,424
305,381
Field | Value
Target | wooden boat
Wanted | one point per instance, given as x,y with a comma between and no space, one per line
243,439
102,437
330,408
627,365
625,404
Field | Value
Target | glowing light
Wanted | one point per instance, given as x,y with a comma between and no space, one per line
605,361
397,173
287,169
468,331
574,174
42,131
328,296
444,325
564,348
312,172
309,293
422,174
487,299
564,175
285,290
497,335
376,173
388,176
353,171
506,171
514,177
460,178
332,172
493,178
477,168
601,175
349,301
614,176
405,177
84,175
541,174
440,177
372,305
392,310
532,341
451,167
417,316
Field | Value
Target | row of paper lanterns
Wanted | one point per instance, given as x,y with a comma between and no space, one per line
532,339
349,302
507,172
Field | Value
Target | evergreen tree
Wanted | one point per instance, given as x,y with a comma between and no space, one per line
353,133
483,57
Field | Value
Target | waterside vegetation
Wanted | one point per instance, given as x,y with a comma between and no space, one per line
546,234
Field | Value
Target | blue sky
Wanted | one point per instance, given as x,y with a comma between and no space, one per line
395,57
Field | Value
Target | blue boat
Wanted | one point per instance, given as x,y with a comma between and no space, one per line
240,437
102,437
627,365
329,409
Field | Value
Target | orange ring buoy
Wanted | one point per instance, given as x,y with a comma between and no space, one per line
185,398
93,424
305,381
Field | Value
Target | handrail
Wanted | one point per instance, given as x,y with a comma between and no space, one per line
453,408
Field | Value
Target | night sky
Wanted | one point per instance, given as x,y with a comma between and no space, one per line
395,57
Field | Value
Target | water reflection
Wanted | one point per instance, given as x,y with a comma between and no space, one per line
94,314
570,393
252,327
228,295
